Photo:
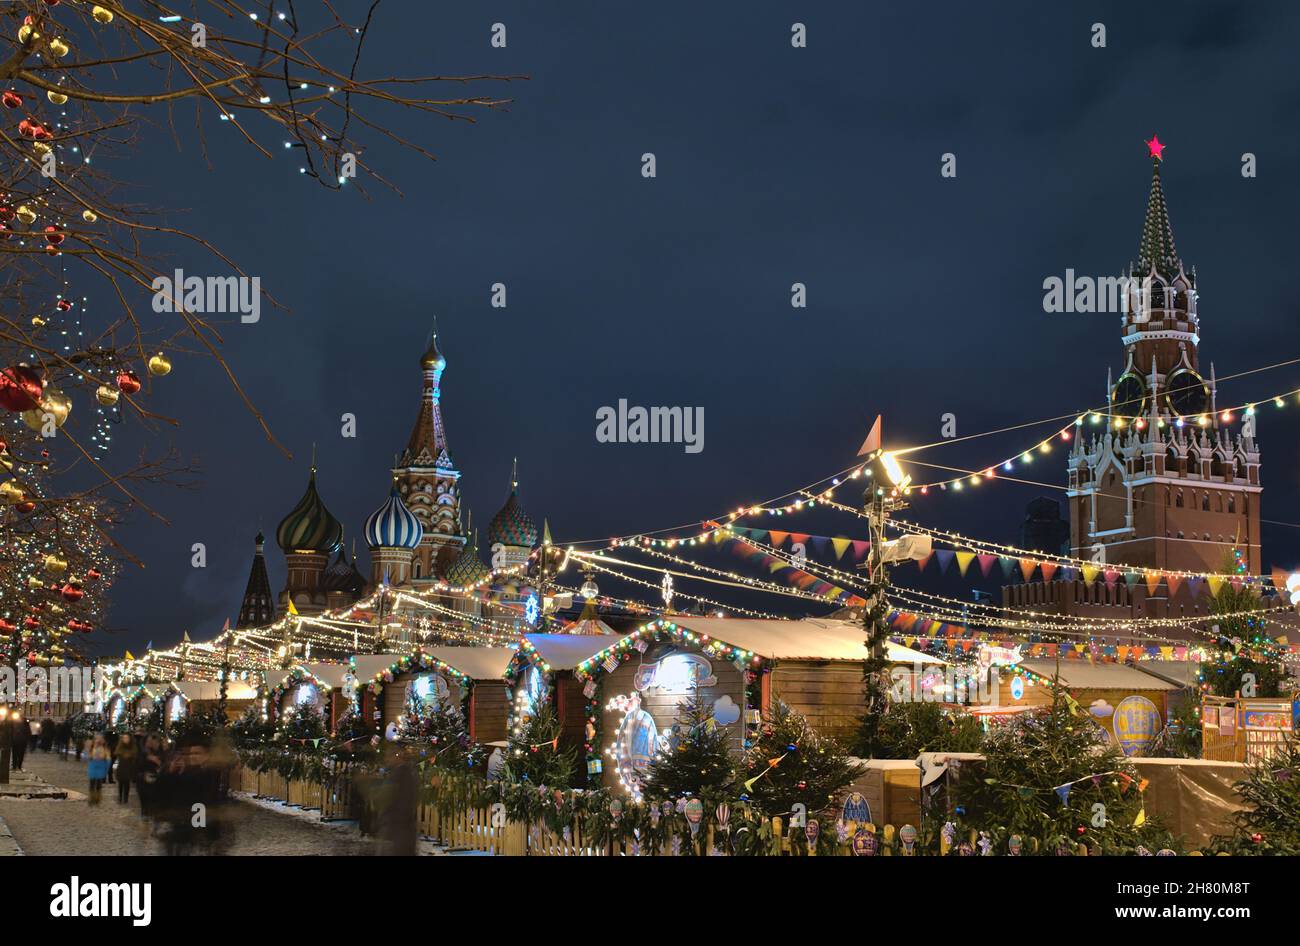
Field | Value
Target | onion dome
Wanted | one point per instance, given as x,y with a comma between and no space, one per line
512,526
342,575
393,526
310,527
432,358
467,568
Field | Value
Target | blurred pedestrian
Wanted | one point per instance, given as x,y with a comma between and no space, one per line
22,736
111,737
97,767
148,766
127,758
47,734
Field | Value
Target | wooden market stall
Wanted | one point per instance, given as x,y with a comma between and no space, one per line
183,697
1130,705
1244,729
814,666
471,679
318,683
543,673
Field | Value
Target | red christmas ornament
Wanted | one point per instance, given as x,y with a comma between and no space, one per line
31,623
54,234
1257,838
6,627
63,305
1081,829
72,592
11,99
6,213
25,507
93,574
20,388
128,382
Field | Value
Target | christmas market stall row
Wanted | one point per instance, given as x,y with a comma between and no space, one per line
619,697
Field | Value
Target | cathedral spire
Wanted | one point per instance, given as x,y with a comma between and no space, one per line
257,609
1157,248
428,444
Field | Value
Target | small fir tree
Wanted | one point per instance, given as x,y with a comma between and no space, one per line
1271,822
698,761
1054,780
908,729
791,763
534,754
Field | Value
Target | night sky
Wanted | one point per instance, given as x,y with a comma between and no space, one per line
775,165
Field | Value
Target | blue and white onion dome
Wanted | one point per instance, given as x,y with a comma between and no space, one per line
393,526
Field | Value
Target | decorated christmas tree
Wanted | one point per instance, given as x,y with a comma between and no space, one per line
791,763
698,761
1247,661
533,754
1049,782
304,726
908,729
1271,822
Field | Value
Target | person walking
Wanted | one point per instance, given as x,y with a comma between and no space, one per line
47,734
148,766
127,758
111,737
97,764
22,736
62,739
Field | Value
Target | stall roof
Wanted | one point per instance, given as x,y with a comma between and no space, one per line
211,690
566,651
370,664
809,639
330,674
477,663
1087,675
1184,673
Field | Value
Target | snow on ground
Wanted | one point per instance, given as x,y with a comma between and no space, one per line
73,826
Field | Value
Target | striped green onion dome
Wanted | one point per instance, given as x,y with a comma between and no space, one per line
310,527
512,526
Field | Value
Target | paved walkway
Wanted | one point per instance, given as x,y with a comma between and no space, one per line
72,826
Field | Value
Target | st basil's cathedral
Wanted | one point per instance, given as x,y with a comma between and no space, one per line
416,537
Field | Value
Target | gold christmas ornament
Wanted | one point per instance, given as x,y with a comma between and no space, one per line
101,15
89,216
55,403
26,214
35,582
27,32
11,492
55,565
58,98
159,366
37,321
107,395
41,147
59,48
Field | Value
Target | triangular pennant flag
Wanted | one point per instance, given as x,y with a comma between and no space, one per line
1027,567
1215,582
798,538
1110,575
1008,565
819,543
1131,578
130,656
963,561
860,549
986,563
1153,582
872,443
1064,792
921,563
1090,573
777,538
1172,582
944,558
1048,569
841,545
292,609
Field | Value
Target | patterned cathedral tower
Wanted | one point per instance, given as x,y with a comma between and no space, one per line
257,608
427,481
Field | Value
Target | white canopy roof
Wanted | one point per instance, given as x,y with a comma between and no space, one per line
566,651
1087,675
809,639
477,663
211,689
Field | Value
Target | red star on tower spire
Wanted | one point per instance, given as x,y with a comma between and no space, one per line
1156,148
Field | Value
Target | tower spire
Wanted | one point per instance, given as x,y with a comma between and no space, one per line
1157,249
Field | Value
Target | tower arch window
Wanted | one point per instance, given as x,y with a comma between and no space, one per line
1205,502
1232,504
1178,500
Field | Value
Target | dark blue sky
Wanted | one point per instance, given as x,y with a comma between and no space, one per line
775,165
